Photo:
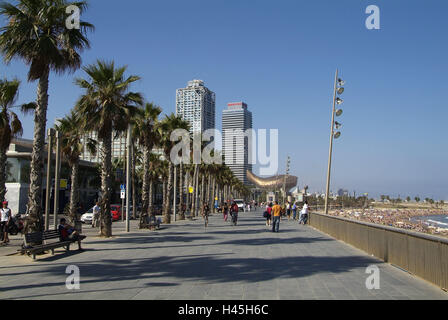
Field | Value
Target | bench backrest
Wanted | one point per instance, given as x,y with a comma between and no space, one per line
39,237
35,237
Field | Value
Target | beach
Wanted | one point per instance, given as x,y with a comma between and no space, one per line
430,221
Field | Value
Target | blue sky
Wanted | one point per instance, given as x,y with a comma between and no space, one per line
280,58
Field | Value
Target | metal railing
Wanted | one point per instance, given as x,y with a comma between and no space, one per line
425,256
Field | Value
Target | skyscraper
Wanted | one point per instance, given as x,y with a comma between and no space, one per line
236,120
196,104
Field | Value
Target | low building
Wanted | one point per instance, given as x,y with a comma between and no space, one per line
18,179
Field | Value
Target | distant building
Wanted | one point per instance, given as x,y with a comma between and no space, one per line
18,178
196,104
118,147
237,117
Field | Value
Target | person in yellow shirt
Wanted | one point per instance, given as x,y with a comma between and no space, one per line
276,217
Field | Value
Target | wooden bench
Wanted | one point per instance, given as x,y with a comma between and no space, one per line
46,242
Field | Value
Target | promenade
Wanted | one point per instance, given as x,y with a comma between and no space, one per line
185,261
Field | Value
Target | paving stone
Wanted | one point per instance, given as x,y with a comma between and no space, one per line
183,261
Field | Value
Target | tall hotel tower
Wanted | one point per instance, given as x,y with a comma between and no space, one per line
196,104
237,117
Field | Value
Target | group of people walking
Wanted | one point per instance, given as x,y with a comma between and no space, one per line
274,213
231,209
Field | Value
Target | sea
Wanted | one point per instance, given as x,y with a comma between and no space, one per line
439,221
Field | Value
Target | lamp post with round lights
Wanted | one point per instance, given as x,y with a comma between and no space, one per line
335,126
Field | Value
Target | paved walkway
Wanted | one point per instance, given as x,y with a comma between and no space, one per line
183,261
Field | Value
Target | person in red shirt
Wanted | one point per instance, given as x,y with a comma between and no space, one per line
269,215
234,213
67,233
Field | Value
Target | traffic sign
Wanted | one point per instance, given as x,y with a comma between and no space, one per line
190,189
123,187
123,194
63,183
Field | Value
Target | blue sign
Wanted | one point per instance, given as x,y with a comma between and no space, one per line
123,187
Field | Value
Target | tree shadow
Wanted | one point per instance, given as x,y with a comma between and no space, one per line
210,268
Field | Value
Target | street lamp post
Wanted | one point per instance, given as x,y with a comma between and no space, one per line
338,90
51,134
128,175
57,179
288,162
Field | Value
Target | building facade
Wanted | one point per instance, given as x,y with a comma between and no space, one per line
237,147
118,147
196,104
18,179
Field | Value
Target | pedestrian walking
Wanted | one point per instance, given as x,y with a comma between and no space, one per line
225,211
283,210
304,213
96,215
268,215
294,211
276,217
205,213
288,210
5,220
234,213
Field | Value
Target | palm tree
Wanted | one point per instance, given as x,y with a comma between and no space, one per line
72,144
107,106
10,126
167,126
144,129
36,33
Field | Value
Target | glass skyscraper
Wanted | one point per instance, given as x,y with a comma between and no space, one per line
237,147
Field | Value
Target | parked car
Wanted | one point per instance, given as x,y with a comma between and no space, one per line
240,204
115,210
87,217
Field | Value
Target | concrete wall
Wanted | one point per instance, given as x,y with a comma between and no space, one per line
425,256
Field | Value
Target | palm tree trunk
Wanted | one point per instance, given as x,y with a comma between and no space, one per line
106,186
34,221
196,191
192,195
167,211
209,185
151,197
202,190
187,186
214,194
3,159
74,194
134,191
181,192
145,187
